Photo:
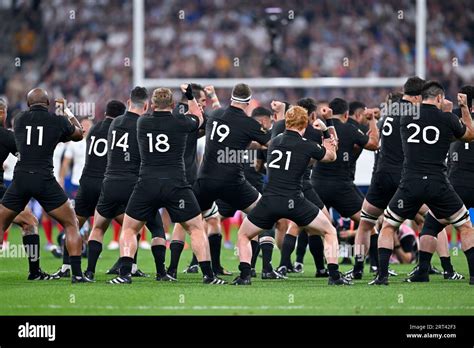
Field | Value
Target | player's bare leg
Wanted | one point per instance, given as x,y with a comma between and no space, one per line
200,246
176,248
287,248
385,248
247,232
128,247
443,252
322,226
368,219
67,218
281,227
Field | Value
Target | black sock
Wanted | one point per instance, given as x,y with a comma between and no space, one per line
470,260
76,265
176,248
245,269
126,266
447,265
135,257
424,262
31,244
333,269
66,260
301,246
373,250
359,263
194,261
384,258
255,250
95,248
159,252
288,246
267,253
316,247
215,241
206,268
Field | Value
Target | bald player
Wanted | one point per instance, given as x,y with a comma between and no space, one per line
37,132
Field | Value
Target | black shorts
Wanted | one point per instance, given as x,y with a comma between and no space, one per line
382,188
150,195
343,196
466,193
437,193
44,188
225,209
114,197
270,209
239,195
87,196
311,195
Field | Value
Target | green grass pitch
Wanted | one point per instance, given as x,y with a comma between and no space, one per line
301,294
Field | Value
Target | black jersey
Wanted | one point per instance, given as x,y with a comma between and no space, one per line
426,138
162,141
7,146
390,155
288,157
123,155
340,169
96,155
357,149
37,132
310,134
228,134
461,160
190,154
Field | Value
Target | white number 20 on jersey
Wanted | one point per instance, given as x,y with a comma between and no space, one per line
279,156
434,134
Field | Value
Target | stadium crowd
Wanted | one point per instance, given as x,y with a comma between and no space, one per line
83,49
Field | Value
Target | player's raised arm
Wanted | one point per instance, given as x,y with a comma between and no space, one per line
193,105
373,133
466,118
329,142
78,133
211,94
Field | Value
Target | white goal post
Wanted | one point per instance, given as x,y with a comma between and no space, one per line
140,79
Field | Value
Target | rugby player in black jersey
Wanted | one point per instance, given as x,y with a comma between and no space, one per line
460,171
162,181
387,174
229,133
190,161
37,132
333,181
315,242
288,156
90,184
426,137
26,220
121,174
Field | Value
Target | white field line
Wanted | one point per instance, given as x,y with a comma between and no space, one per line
225,308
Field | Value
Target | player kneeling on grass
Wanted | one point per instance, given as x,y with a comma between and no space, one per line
288,156
162,181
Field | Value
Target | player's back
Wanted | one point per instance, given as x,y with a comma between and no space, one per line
461,160
340,169
288,157
123,155
390,155
426,138
96,155
162,140
228,134
37,132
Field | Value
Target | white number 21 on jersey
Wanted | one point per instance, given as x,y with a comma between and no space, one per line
279,155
